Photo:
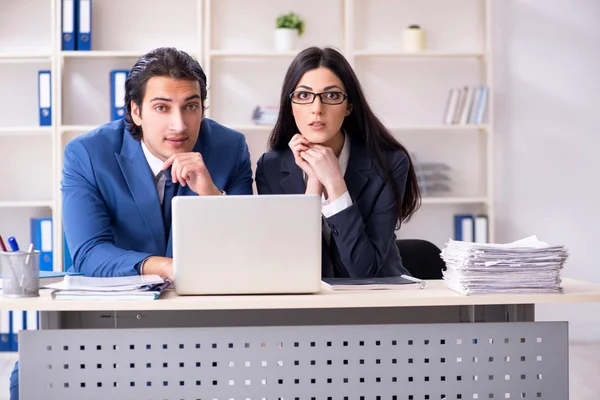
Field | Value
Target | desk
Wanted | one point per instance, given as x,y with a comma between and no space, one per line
394,345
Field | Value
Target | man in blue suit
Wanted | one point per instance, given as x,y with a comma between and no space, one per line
114,189
118,180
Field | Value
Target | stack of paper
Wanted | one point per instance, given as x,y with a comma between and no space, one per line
147,287
524,266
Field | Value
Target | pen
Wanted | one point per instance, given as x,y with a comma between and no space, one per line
12,242
2,245
29,252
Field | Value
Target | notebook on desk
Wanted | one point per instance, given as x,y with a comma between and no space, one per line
246,244
386,283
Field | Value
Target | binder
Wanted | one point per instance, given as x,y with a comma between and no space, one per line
5,336
69,30
16,327
481,105
117,93
464,228
45,97
481,229
84,24
31,320
41,237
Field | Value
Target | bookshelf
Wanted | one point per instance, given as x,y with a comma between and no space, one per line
408,91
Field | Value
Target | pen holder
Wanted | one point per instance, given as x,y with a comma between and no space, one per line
20,273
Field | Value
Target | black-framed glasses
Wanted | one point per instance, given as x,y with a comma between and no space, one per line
304,97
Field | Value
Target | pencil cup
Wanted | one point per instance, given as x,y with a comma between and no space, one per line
20,273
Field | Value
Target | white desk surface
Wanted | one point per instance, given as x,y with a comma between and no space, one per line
436,294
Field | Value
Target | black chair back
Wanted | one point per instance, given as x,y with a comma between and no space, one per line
421,258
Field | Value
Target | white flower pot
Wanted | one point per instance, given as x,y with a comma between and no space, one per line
285,39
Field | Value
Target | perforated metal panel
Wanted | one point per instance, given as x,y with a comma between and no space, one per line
375,362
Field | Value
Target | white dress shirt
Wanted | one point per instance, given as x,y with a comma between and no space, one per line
156,165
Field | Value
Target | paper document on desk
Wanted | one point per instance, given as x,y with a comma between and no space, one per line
525,266
113,284
386,283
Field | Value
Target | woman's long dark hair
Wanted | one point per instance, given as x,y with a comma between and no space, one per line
361,124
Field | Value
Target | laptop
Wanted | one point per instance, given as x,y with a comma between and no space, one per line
246,244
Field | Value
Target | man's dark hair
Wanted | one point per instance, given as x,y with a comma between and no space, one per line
165,61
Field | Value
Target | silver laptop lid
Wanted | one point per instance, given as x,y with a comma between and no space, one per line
246,244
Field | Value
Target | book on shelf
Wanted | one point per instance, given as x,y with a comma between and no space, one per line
466,105
262,115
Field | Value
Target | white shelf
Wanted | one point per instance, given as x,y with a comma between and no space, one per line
108,54
251,128
259,54
26,131
262,128
424,54
24,57
101,54
454,200
78,128
26,204
438,128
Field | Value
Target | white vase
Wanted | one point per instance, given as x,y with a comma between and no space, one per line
285,39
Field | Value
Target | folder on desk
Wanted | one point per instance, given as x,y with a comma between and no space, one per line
117,93
5,336
41,237
464,228
45,97
69,31
17,318
84,24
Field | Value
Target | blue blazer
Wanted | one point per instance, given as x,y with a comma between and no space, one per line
111,210
363,240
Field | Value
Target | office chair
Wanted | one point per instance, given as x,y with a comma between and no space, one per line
421,258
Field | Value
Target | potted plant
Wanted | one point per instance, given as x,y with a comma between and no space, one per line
288,28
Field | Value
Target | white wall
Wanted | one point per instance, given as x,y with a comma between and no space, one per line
547,72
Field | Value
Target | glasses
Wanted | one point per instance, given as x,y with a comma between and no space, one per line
302,97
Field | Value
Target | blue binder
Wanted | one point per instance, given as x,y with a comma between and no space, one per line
69,29
5,331
45,97
41,237
464,228
31,320
17,325
84,25
117,93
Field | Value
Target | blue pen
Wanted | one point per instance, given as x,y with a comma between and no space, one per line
12,242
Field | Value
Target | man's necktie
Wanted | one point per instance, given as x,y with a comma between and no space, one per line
170,191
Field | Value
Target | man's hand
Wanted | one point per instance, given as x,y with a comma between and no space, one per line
162,266
326,168
189,169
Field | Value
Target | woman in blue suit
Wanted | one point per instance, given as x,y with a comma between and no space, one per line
328,142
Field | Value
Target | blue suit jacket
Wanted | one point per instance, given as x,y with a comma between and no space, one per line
111,210
363,242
